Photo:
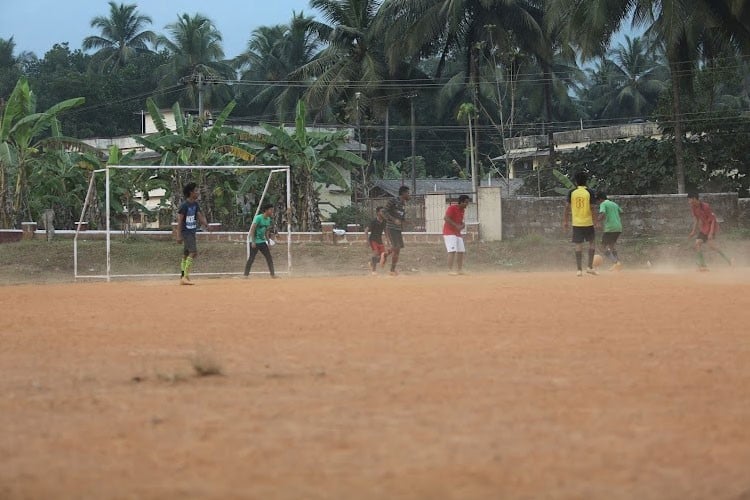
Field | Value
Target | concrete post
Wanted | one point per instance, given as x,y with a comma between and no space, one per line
490,213
434,211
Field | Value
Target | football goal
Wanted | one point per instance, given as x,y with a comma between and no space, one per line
117,252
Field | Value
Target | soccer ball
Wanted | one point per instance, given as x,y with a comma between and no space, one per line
598,260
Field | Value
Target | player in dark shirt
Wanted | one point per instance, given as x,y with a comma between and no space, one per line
374,234
395,213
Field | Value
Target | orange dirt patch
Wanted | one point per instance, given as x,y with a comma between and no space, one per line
514,385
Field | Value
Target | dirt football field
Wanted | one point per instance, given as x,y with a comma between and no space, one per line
631,385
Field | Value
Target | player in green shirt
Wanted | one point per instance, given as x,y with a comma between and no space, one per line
259,232
609,213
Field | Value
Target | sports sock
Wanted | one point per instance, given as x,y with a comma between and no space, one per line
182,266
701,260
614,256
374,261
579,259
591,257
188,266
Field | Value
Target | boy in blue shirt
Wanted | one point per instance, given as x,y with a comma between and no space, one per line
188,217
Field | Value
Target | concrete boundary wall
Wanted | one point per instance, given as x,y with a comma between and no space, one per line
647,215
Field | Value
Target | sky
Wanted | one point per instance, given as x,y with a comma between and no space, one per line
36,25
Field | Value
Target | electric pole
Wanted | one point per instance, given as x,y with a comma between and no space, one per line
413,146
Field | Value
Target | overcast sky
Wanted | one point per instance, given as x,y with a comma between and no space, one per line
36,25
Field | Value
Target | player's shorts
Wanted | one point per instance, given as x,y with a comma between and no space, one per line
581,234
703,237
377,248
188,241
454,243
397,239
610,238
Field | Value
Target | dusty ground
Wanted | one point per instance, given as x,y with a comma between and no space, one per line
506,385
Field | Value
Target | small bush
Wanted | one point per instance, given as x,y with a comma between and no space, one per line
351,215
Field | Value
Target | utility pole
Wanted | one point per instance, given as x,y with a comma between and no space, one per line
357,95
413,146
200,95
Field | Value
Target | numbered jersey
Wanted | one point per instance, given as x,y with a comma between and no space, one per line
580,206
190,211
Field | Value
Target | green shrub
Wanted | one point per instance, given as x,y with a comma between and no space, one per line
351,215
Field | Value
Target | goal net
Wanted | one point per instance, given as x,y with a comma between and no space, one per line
127,246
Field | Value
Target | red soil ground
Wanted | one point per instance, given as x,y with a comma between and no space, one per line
514,385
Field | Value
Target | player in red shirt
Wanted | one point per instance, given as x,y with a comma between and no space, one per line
454,241
705,227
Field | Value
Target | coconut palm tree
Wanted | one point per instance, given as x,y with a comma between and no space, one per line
680,25
197,61
627,84
353,60
122,35
273,55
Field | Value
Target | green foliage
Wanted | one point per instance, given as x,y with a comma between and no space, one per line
352,214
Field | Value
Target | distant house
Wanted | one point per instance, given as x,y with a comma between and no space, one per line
527,153
452,188
332,197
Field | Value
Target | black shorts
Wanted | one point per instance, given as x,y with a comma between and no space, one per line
397,239
581,234
703,237
188,240
610,238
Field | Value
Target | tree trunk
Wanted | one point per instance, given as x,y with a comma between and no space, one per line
679,134
547,77
4,216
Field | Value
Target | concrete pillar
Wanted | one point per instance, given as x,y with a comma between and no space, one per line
28,229
326,229
434,211
490,211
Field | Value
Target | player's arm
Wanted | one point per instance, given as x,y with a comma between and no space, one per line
695,226
712,229
180,222
566,216
601,217
367,236
253,227
202,219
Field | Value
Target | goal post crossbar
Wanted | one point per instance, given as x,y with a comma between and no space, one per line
110,168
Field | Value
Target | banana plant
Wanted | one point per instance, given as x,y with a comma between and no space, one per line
24,135
314,157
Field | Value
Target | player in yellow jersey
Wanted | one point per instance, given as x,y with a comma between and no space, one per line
578,211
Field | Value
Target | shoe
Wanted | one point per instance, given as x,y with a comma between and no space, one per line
185,281
579,273
702,269
394,273
616,266
373,273
452,273
592,271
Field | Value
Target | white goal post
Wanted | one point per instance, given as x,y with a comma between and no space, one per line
108,172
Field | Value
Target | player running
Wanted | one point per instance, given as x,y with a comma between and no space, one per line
374,235
188,216
705,227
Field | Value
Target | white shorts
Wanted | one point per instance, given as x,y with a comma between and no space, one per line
454,243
